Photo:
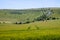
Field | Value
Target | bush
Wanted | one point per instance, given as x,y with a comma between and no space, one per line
48,18
16,23
0,22
33,21
3,22
27,22
20,23
57,18
53,18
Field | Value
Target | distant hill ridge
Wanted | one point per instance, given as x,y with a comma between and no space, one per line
25,14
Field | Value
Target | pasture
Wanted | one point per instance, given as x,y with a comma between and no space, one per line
39,30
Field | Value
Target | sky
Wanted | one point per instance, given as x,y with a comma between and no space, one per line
27,4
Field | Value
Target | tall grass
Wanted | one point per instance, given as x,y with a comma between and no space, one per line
49,30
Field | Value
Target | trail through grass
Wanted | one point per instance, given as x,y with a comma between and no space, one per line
49,30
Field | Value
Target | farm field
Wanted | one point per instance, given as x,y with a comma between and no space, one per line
39,30
29,19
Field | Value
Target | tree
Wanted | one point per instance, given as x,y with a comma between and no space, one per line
27,22
53,18
46,14
20,23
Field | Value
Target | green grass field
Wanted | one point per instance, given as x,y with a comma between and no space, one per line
37,30
40,30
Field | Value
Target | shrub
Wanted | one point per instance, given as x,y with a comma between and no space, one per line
48,18
33,21
53,18
20,23
3,22
16,23
27,22
0,22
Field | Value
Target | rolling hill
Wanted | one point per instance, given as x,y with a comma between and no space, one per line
24,15
38,30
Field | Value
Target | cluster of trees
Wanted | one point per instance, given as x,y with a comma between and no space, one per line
45,16
42,18
27,22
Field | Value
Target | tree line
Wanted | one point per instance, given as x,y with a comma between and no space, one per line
46,16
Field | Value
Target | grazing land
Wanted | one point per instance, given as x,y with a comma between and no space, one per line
30,24
49,30
26,14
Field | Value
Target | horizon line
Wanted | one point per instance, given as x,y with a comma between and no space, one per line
29,8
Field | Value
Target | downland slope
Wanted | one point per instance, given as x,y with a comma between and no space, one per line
25,14
38,30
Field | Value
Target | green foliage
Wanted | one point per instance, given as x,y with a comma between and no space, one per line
49,30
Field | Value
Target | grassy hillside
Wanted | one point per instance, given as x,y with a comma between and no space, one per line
49,30
25,14
56,12
38,30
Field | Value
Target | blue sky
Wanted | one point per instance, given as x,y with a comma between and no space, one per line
25,4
